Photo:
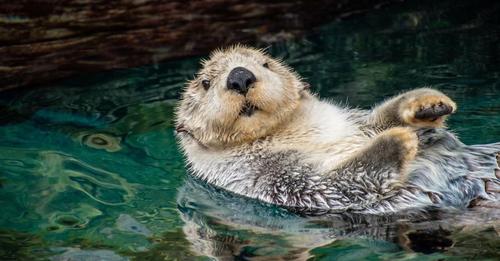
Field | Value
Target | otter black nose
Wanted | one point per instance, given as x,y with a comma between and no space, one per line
240,80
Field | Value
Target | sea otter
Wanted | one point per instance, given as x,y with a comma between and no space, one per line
248,124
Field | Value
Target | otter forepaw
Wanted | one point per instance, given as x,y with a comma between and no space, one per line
406,141
394,148
427,109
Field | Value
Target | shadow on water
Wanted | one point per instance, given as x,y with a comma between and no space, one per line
89,167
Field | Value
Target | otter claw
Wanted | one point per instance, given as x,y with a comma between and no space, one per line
433,112
181,129
492,187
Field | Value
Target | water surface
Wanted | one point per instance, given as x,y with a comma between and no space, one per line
89,166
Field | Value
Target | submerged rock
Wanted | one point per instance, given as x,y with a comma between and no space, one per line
76,254
127,223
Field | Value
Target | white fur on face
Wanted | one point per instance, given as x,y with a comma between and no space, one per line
214,117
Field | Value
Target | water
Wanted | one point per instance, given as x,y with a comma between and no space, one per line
90,167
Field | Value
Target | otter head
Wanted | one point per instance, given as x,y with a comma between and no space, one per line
239,95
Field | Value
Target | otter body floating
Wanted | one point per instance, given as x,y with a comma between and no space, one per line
248,124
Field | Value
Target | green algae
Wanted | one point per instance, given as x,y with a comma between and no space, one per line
21,246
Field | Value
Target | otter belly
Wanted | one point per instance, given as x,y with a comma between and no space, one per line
446,173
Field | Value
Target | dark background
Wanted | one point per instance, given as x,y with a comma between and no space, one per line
44,40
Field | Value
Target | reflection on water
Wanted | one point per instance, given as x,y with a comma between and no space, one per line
219,225
91,164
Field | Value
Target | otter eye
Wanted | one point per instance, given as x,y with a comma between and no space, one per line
266,65
206,84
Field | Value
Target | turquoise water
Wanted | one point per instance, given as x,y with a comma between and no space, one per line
89,166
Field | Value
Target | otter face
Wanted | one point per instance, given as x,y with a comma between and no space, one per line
240,95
